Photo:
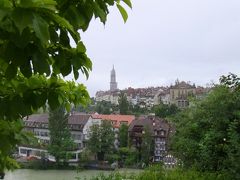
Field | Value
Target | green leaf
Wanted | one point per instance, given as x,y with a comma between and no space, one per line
77,62
40,27
22,40
128,2
11,71
5,4
76,73
26,69
99,12
3,13
53,100
40,63
123,12
46,4
75,17
62,22
53,34
66,69
68,107
21,22
64,39
41,99
80,47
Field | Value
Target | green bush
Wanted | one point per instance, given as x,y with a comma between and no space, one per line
157,172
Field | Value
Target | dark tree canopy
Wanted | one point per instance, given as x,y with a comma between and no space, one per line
208,133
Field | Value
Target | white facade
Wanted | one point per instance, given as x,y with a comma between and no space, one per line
109,97
37,153
86,128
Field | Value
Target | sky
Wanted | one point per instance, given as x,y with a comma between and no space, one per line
192,40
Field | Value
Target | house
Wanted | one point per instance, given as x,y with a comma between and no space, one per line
38,125
160,131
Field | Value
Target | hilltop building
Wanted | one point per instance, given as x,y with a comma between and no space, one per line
180,92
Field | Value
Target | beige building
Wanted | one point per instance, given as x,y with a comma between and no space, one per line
180,92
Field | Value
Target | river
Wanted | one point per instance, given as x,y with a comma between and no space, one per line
28,174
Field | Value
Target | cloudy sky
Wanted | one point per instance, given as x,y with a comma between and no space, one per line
192,40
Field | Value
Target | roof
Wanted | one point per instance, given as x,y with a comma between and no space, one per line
182,85
114,117
153,123
40,118
80,119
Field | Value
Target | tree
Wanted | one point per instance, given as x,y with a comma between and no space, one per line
146,151
123,104
164,110
61,142
208,133
103,107
35,51
101,139
123,135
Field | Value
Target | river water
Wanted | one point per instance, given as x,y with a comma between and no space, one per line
28,174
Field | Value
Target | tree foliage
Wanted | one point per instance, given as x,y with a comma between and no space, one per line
123,135
146,151
164,110
123,104
35,51
208,133
61,142
101,139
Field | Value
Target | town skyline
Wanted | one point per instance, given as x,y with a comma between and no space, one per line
195,41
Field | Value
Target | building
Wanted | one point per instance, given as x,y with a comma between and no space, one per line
160,131
162,96
180,92
116,121
108,96
113,82
79,125
38,125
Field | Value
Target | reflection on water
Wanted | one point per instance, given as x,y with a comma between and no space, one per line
26,174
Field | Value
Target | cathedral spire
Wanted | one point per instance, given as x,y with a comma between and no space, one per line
113,83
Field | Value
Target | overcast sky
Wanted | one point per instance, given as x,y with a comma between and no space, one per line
192,40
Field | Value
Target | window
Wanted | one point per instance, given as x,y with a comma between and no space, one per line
23,151
79,145
162,133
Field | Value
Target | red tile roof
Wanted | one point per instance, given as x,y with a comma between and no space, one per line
115,118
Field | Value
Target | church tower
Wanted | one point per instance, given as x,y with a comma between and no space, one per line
113,83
